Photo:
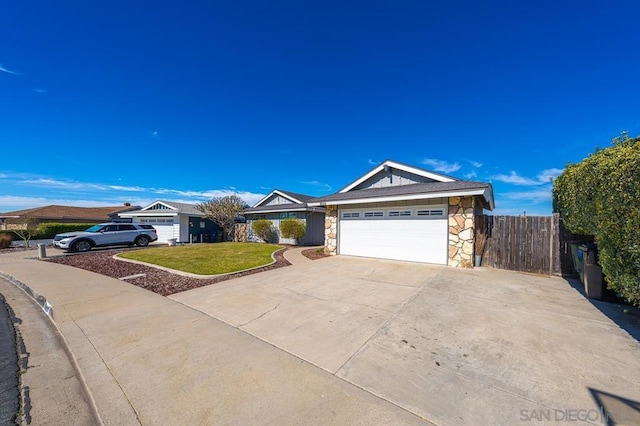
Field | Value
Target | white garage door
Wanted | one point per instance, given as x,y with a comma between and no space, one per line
163,226
418,234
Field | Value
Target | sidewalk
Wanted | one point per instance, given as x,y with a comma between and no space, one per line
147,359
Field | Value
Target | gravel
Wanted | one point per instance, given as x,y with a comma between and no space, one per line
156,280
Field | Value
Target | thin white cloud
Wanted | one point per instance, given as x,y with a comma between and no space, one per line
3,176
472,174
372,162
317,184
549,174
9,202
441,166
515,179
475,164
535,195
40,90
154,134
8,71
543,177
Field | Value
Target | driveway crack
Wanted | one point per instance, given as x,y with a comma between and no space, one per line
261,315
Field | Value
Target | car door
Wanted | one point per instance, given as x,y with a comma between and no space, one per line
108,235
126,233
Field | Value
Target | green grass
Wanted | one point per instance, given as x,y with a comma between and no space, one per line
207,259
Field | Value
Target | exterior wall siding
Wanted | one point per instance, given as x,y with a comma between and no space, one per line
395,178
315,229
275,200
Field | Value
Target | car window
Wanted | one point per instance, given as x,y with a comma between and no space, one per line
127,227
94,228
110,228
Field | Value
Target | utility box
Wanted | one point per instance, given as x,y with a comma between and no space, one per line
592,272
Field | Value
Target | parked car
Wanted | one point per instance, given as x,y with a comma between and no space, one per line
106,234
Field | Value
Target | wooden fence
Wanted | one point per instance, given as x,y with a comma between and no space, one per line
537,244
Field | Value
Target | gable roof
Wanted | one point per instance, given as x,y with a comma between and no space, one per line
291,196
298,203
173,209
385,165
442,186
53,212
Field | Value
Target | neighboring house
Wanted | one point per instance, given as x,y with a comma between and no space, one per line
62,214
401,212
280,205
181,221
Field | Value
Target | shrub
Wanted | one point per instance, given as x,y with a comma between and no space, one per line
49,230
263,228
293,228
5,241
599,197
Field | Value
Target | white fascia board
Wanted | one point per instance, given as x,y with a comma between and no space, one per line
149,213
159,202
362,179
291,209
419,172
394,165
276,192
288,197
407,197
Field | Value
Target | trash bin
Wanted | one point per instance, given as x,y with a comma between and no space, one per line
592,272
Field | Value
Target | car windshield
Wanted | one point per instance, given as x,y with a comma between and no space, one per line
94,228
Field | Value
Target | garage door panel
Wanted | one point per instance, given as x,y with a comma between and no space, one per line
418,240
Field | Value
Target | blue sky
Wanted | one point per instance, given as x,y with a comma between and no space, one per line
103,103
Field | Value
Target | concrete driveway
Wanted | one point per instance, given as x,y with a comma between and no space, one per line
453,346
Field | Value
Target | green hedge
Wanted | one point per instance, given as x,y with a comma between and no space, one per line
49,230
599,197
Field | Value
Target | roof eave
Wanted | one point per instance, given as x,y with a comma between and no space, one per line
485,192
286,209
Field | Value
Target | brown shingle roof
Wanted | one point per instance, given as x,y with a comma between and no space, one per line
68,212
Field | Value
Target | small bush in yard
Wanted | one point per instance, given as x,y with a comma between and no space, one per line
293,228
599,196
5,241
263,228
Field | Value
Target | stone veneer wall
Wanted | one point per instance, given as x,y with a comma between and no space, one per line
239,232
331,230
461,232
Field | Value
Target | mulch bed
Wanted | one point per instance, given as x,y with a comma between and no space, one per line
156,280
313,254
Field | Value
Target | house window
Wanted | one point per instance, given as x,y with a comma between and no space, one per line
350,215
430,212
400,213
373,214
202,225
261,216
288,215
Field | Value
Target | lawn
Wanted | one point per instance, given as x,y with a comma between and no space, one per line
207,259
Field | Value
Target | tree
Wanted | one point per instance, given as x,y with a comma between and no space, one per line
293,228
24,228
599,196
263,228
223,211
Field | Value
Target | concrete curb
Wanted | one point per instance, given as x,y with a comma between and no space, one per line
197,276
41,301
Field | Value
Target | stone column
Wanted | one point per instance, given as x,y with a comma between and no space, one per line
331,230
461,232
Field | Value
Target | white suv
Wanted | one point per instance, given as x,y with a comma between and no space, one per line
106,234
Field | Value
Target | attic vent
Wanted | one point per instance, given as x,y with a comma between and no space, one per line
159,207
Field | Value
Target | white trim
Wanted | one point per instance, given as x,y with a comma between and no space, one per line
158,202
393,164
276,192
422,196
151,213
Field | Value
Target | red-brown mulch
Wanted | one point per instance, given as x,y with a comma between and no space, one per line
313,254
156,280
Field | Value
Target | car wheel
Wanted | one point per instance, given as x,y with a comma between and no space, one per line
142,241
82,246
